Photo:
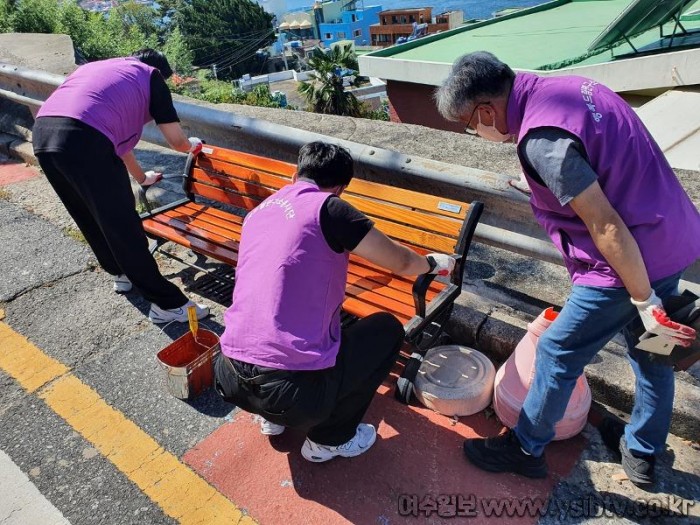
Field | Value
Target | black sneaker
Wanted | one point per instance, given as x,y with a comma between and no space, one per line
504,454
638,467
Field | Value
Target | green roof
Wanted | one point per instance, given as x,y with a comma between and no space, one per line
549,36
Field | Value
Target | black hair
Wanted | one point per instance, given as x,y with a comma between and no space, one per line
154,59
328,165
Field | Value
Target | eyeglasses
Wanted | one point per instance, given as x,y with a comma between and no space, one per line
467,129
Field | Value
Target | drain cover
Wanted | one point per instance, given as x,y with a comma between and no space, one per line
216,284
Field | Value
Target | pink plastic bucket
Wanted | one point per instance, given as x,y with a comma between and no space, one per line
514,377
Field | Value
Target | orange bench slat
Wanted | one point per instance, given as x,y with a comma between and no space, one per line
408,198
422,222
196,244
245,159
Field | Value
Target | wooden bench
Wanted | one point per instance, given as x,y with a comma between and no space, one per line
425,223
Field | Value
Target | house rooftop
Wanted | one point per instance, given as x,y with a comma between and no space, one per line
406,10
549,36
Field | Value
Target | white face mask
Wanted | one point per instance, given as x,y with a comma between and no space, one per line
490,132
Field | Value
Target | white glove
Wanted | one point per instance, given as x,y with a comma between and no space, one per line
151,178
657,321
440,263
195,145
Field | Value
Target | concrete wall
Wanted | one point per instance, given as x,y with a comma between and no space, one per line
271,78
51,53
301,76
413,104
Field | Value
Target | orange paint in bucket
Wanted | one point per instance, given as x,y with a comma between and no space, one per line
188,363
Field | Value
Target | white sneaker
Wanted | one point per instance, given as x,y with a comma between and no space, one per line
159,315
122,284
268,428
364,438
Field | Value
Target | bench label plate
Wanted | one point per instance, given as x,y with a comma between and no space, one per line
448,206
207,151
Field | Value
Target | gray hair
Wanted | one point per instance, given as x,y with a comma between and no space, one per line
475,77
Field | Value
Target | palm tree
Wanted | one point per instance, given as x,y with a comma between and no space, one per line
325,92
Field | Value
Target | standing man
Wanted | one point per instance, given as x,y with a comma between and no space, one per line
84,137
284,355
610,202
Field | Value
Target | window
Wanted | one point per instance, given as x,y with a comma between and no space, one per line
357,33
384,20
354,18
394,20
328,36
411,19
341,35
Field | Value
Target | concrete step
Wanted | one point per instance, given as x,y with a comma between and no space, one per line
494,322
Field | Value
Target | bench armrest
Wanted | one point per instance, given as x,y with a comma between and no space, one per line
442,304
423,282
420,288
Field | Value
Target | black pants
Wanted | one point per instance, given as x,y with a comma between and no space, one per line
328,403
93,184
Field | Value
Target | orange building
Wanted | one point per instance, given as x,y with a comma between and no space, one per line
397,23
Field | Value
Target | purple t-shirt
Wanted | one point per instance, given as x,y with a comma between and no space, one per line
111,96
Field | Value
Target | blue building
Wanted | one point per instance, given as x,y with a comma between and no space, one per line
344,21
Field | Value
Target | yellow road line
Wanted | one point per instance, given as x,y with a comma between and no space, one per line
173,486
31,367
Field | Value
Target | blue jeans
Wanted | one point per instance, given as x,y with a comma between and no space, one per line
590,318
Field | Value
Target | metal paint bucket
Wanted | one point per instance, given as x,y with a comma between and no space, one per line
188,363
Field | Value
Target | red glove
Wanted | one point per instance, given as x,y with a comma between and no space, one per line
657,321
440,263
195,145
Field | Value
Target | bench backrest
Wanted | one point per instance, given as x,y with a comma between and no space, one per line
425,222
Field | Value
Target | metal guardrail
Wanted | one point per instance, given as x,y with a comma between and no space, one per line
506,223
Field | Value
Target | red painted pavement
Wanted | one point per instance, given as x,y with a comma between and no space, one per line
12,172
417,452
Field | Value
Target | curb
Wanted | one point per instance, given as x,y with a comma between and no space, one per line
18,148
496,329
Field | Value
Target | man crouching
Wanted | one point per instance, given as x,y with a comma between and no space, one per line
284,354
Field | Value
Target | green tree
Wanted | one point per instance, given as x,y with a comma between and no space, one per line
179,55
168,8
75,21
325,92
120,38
35,16
261,96
226,33
96,36
143,17
6,9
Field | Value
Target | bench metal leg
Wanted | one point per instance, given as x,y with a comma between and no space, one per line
157,244
421,341
426,338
